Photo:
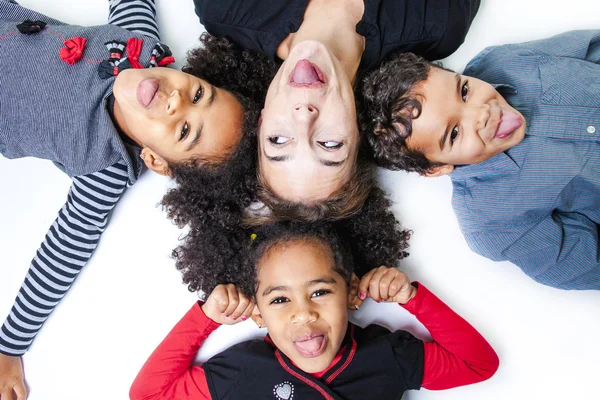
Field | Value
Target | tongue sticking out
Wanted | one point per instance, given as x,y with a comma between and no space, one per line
304,73
146,90
311,346
510,123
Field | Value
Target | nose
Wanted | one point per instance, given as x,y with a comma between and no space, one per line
173,102
304,313
305,114
479,115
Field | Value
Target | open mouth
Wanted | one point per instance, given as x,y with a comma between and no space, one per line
307,75
509,123
312,345
146,92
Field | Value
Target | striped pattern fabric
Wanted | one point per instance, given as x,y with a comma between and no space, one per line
134,15
75,233
538,204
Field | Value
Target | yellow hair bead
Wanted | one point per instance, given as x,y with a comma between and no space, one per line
253,236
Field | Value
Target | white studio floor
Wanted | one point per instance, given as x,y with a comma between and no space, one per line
130,295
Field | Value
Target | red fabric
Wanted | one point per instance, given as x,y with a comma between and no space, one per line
169,374
166,61
459,355
134,48
73,50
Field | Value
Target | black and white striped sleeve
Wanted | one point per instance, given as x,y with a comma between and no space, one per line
134,15
68,246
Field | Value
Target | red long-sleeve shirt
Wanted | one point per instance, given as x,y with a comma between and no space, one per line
458,356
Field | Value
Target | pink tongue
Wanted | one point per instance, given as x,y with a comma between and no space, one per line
146,90
304,73
311,345
510,122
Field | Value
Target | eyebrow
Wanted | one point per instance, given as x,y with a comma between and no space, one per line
271,289
213,93
447,130
196,139
327,163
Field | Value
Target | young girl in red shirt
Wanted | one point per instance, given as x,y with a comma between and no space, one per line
300,285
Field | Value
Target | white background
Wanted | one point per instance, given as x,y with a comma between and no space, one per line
129,296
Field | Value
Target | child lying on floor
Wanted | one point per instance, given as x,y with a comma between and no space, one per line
519,134
299,285
98,103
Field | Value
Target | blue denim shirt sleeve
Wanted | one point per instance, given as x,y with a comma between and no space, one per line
560,250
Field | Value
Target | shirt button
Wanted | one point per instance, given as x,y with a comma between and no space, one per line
591,129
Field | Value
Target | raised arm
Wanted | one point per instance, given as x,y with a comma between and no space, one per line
169,374
68,246
561,250
458,355
134,15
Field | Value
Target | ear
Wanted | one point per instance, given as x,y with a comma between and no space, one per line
439,171
155,162
257,317
354,302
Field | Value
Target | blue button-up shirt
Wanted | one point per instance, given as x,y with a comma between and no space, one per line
538,203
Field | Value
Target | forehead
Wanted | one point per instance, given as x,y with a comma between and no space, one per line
304,179
295,261
439,96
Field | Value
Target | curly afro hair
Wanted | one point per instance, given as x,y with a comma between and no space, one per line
226,65
387,108
217,191
213,252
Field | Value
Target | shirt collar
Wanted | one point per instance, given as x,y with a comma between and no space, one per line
505,88
500,164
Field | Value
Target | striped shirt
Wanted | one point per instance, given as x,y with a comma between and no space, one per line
75,233
538,203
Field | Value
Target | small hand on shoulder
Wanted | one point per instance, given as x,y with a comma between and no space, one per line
385,284
227,305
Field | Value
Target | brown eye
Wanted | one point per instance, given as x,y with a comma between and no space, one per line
184,131
464,91
198,95
453,135
278,140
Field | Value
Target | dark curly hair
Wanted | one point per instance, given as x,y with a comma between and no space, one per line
387,108
214,252
217,191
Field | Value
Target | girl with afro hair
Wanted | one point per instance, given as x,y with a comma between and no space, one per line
300,283
100,104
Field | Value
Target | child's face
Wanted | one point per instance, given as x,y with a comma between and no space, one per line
176,116
463,120
303,302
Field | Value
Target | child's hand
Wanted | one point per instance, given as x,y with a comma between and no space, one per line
227,305
386,284
11,378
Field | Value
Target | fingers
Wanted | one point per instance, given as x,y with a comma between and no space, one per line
7,394
248,312
399,283
233,300
383,284
374,289
363,286
20,390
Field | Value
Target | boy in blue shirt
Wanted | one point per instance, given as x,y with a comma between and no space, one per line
519,135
